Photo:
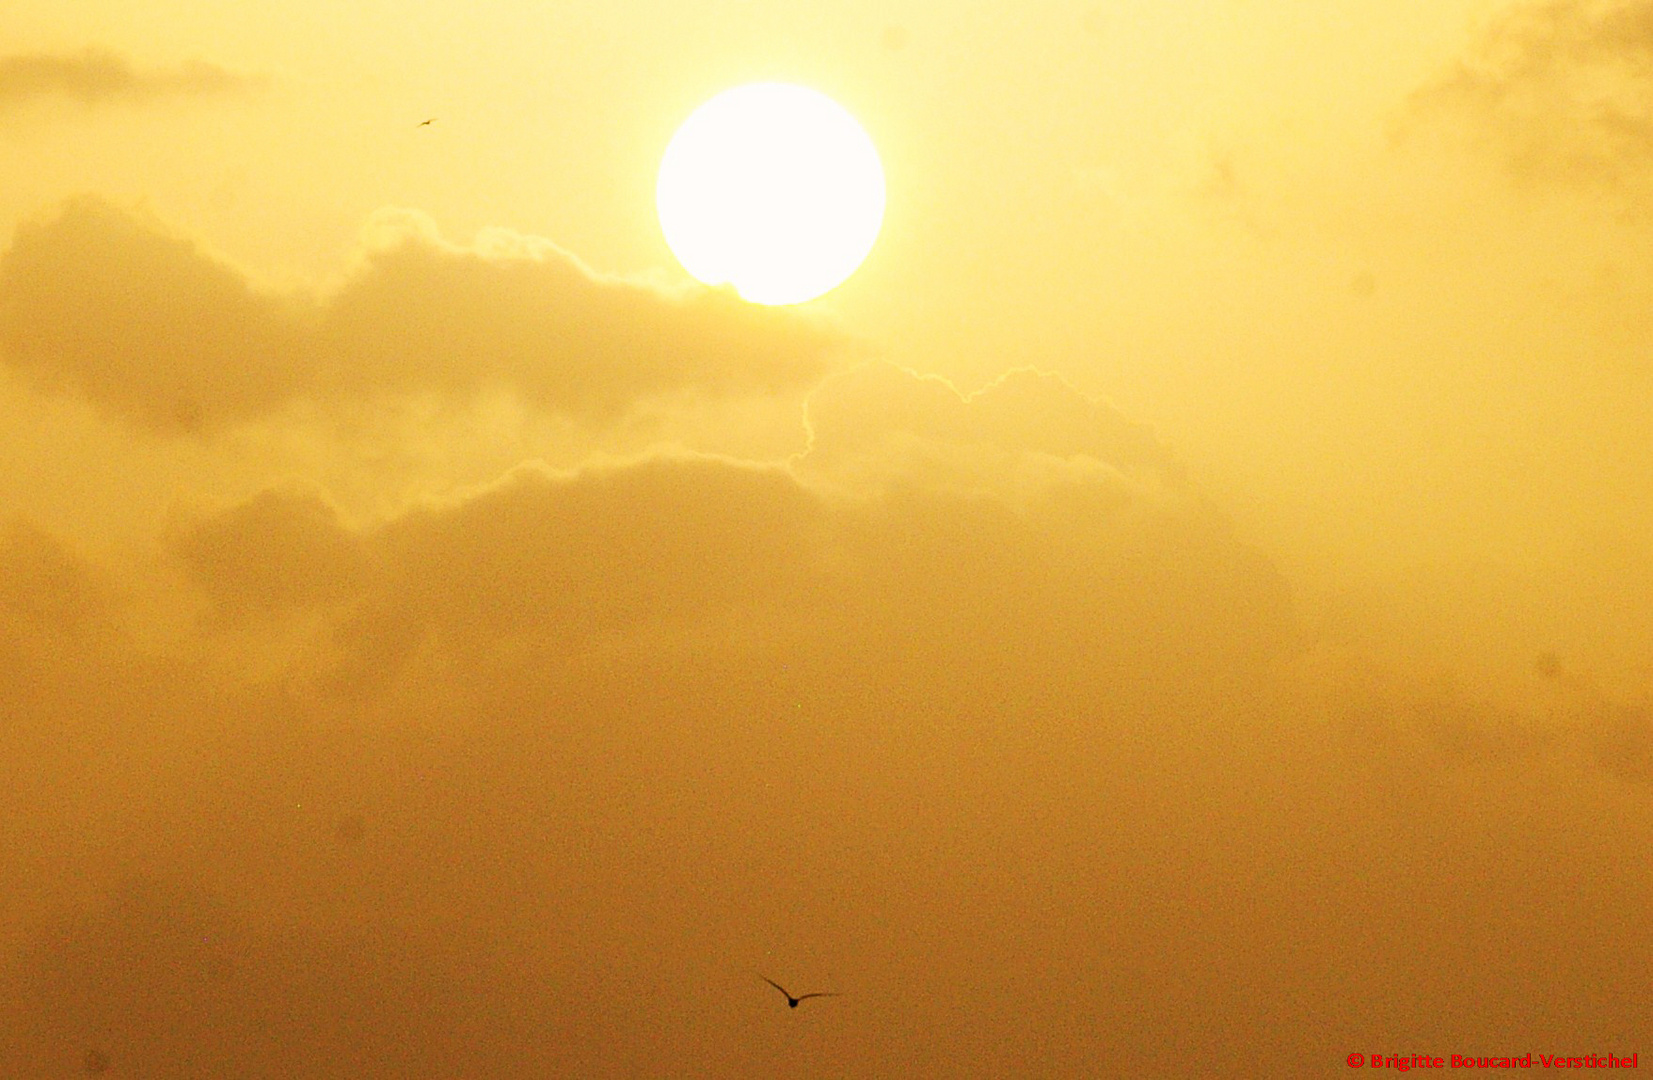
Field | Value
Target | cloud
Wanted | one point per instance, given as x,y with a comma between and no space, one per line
1622,741
1061,542
1010,713
659,722
878,422
44,586
660,707
1561,90
96,75
975,700
168,978
113,307
281,551
671,549
107,305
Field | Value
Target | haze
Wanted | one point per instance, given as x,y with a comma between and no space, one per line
1184,607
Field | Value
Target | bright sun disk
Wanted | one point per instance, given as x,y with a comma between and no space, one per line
773,189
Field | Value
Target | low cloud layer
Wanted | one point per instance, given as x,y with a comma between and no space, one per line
538,777
95,76
113,307
556,767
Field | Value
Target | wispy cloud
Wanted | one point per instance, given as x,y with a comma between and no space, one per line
1561,90
98,75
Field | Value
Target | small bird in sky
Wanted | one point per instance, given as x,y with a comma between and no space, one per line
427,123
792,1002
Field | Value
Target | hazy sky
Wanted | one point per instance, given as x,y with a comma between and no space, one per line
1184,607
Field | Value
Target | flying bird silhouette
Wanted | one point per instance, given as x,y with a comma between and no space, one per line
427,123
792,1002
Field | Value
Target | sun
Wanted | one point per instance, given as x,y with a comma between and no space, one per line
771,188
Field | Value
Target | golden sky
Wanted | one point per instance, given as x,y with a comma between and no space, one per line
1184,607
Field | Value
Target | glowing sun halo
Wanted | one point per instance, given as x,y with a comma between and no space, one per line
771,188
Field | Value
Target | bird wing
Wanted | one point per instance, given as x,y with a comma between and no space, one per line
822,993
777,986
